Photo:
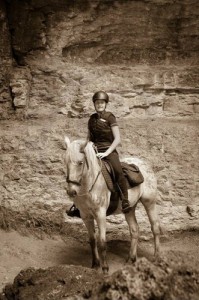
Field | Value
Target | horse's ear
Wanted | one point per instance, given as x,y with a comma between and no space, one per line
67,142
83,145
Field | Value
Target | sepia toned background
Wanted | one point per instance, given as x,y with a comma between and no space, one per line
54,55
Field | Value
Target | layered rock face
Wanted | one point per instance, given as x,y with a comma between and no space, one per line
56,54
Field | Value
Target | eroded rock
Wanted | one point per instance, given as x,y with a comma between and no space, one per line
54,283
145,281
166,279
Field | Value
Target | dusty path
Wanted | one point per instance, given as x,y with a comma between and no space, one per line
19,252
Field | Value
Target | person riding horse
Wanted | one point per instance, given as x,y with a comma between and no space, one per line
104,132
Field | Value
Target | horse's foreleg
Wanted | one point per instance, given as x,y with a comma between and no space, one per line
134,233
150,208
101,221
93,242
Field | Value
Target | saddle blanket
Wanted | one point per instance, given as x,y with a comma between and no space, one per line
132,175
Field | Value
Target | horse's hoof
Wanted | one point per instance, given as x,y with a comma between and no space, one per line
105,271
95,266
131,260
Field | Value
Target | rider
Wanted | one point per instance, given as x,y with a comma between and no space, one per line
104,132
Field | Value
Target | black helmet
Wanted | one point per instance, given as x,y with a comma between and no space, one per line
101,96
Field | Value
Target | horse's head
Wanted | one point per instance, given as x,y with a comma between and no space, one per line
75,163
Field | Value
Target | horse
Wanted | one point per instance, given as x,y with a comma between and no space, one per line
87,186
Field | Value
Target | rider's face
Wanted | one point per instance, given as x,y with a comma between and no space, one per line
100,105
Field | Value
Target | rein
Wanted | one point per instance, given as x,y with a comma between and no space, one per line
95,179
95,149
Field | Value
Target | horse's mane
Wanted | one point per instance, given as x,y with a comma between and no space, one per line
91,157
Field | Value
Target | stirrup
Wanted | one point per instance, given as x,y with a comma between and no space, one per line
126,207
73,212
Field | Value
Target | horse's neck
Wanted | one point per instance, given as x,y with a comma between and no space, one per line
93,168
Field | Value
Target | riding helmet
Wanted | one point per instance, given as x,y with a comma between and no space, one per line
101,96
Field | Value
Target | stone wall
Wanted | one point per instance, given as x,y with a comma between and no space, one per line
55,55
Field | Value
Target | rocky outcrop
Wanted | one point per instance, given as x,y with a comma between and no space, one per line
56,54
164,279
6,63
147,281
60,282
144,58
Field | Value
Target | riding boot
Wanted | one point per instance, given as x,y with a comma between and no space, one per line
126,207
122,185
73,212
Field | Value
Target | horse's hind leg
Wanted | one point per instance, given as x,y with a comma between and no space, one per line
150,207
134,233
93,242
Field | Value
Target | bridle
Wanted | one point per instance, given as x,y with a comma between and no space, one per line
79,183
75,182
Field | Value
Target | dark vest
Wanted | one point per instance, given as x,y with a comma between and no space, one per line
100,130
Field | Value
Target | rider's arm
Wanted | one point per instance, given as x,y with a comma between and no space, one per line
116,141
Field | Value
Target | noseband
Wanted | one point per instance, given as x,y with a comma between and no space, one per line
78,183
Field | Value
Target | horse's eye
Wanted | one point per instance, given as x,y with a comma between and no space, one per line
80,162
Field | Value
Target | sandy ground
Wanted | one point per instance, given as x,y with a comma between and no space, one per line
18,252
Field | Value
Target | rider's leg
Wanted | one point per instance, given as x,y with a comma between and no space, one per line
113,158
126,207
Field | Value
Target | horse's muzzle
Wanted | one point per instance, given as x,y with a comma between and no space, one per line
71,192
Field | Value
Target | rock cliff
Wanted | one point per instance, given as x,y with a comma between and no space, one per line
55,55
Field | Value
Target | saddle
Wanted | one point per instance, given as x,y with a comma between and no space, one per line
133,177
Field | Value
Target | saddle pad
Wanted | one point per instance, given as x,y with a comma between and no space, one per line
106,171
115,197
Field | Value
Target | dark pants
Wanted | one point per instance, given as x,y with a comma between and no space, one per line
113,158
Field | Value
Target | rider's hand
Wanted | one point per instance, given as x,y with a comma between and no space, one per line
102,154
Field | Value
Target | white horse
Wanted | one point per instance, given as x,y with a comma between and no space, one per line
87,187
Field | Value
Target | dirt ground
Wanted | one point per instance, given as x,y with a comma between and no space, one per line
18,251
